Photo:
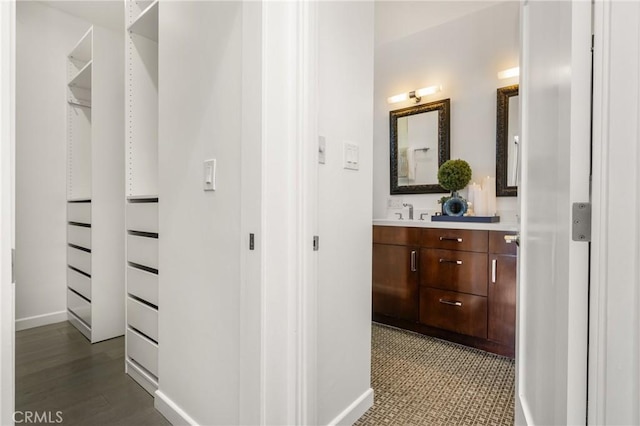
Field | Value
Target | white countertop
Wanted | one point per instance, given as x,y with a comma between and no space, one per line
427,223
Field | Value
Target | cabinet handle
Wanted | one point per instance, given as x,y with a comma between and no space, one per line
457,262
450,302
451,239
494,264
413,261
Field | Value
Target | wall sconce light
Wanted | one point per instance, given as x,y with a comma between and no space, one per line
511,72
415,95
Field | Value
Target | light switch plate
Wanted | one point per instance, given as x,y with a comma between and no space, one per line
351,154
322,149
209,175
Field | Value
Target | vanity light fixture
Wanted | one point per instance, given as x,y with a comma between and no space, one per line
416,94
511,72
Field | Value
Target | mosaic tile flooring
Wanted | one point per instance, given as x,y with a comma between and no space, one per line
420,380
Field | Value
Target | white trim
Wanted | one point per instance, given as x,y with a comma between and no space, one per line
354,411
171,410
40,320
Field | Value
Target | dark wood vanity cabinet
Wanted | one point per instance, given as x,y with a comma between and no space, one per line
453,284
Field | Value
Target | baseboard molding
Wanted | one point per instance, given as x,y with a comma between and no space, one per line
354,411
40,320
171,411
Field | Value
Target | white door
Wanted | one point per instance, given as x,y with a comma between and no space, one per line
551,353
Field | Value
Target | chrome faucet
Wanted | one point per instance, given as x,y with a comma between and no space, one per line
410,210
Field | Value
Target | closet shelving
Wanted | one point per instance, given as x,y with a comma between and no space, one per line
95,277
142,202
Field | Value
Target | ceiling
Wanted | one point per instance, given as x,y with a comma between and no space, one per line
105,13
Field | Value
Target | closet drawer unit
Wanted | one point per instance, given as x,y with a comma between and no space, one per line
79,236
143,351
498,245
143,318
142,251
395,235
142,217
79,259
454,270
143,285
457,312
79,283
80,307
454,239
79,212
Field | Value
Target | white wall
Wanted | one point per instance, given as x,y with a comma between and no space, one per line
44,38
464,56
345,79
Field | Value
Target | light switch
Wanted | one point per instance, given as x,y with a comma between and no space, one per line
210,175
351,152
322,149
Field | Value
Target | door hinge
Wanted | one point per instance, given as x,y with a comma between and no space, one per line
13,265
581,222
316,243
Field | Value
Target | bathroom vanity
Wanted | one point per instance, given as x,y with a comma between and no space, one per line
452,281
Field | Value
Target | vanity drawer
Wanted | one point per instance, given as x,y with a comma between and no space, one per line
457,312
143,285
396,235
142,217
80,307
498,245
143,318
454,270
79,212
78,282
142,251
455,239
143,351
79,259
79,236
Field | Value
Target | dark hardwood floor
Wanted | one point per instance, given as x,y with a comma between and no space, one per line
57,369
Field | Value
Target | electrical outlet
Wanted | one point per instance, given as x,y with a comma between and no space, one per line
394,203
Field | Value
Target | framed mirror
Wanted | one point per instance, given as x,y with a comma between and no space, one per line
507,142
419,146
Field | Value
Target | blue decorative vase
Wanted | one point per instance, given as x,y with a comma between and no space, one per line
455,206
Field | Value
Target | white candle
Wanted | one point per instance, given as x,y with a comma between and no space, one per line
474,188
489,186
480,202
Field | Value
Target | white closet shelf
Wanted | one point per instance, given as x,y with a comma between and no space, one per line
146,24
79,200
83,49
82,80
143,197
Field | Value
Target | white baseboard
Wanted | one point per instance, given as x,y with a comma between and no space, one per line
171,411
354,411
40,320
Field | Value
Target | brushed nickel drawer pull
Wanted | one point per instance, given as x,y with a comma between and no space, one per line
451,239
494,264
413,261
450,302
457,262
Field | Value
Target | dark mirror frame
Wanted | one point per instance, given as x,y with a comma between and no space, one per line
443,108
502,143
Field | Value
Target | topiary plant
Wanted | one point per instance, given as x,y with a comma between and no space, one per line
454,175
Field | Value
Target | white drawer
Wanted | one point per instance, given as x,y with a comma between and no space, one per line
79,259
142,217
143,318
143,351
79,212
143,285
78,282
143,251
79,236
79,306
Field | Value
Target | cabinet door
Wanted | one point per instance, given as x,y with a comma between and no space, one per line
502,299
395,281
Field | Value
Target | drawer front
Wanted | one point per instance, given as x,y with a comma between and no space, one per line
142,217
79,236
457,312
455,239
78,282
79,306
143,351
143,318
498,245
143,251
143,285
453,270
79,212
396,235
79,259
